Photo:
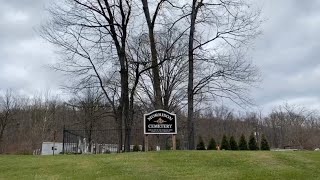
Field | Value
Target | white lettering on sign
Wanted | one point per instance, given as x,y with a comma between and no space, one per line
159,125
159,115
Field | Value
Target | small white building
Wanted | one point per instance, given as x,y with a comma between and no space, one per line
49,147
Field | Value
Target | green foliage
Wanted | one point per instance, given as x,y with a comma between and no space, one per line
136,148
233,144
253,142
243,143
225,143
264,143
200,145
212,144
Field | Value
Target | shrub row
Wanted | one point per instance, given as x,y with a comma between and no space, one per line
231,143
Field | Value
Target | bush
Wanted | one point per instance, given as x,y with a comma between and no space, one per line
253,142
212,144
200,145
233,144
264,143
136,148
243,143
225,143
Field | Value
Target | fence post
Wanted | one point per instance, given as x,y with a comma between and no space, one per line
54,141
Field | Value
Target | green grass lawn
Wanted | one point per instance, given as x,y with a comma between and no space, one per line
165,165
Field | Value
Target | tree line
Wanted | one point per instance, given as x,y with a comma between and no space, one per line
26,122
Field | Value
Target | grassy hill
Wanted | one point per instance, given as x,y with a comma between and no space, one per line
165,165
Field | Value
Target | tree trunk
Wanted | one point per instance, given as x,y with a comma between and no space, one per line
119,133
125,98
155,69
190,119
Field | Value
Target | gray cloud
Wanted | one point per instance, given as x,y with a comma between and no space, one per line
23,54
287,53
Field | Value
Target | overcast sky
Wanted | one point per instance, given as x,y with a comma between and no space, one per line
23,54
287,53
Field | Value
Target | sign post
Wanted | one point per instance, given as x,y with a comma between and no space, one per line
174,144
146,145
160,122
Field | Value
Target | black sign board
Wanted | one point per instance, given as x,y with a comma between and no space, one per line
160,122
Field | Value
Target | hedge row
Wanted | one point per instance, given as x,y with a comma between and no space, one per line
231,143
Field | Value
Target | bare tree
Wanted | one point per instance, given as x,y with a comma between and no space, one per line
151,20
92,110
7,107
171,53
215,27
291,126
88,32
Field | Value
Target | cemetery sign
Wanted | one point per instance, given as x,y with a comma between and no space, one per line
160,122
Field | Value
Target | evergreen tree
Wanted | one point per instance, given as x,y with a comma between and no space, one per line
243,143
225,143
212,144
253,142
233,144
200,145
264,143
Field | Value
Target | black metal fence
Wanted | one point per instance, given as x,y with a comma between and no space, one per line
108,141
98,141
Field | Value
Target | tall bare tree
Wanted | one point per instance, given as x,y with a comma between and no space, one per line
151,20
88,32
215,27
